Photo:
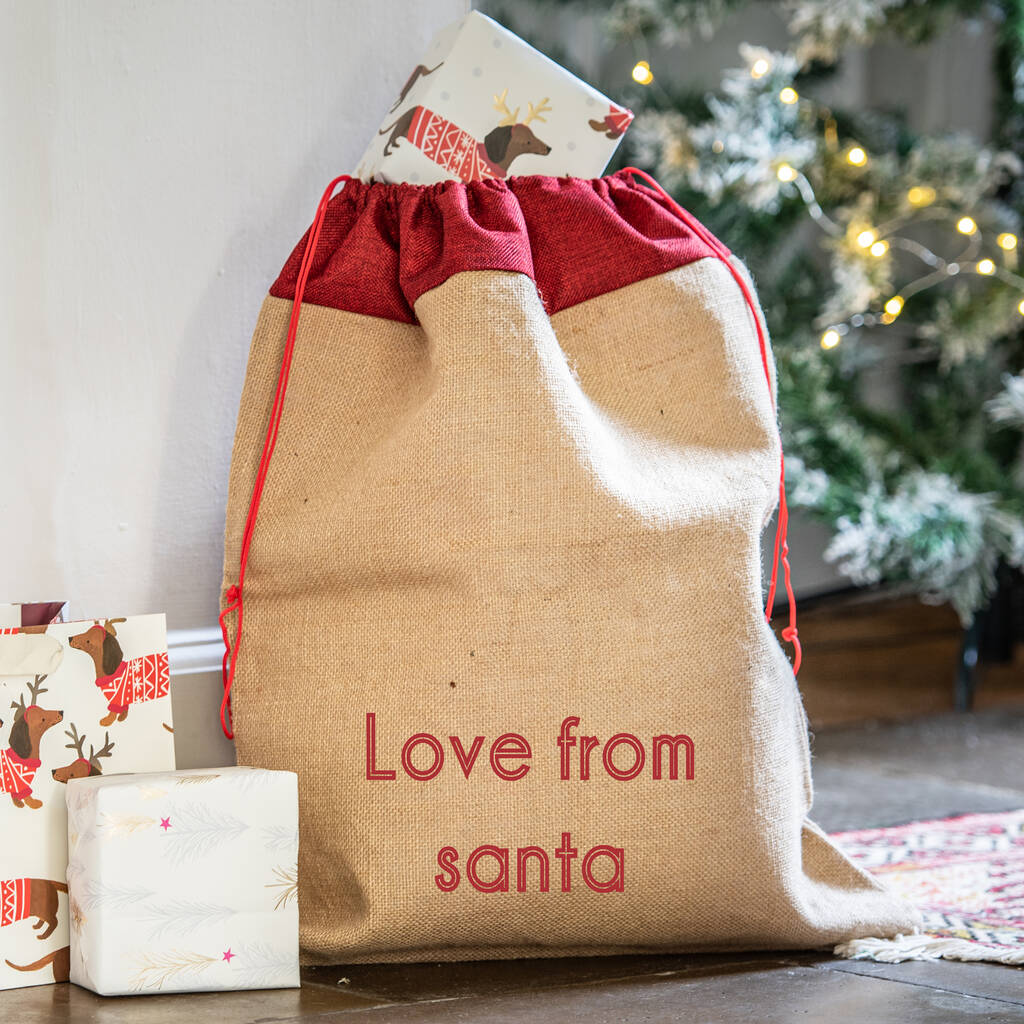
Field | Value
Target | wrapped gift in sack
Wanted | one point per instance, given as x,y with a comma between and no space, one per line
184,881
31,614
484,104
502,591
77,700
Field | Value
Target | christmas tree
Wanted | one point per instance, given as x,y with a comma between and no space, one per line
875,250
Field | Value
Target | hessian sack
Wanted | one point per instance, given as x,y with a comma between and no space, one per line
502,598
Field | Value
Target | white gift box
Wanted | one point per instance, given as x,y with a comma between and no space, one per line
484,104
184,881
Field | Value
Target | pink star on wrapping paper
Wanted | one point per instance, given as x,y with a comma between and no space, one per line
165,823
228,954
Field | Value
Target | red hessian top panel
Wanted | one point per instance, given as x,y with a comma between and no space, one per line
382,246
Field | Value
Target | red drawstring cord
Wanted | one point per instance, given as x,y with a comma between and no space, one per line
234,592
789,634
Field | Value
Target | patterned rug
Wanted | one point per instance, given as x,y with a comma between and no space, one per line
965,874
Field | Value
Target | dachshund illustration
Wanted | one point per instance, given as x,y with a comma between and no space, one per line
123,682
420,71
21,898
615,122
82,767
20,761
458,152
59,958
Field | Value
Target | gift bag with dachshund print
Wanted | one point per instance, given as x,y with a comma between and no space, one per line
505,453
77,700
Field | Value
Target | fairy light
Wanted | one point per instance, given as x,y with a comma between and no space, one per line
642,73
760,68
789,96
866,237
718,146
831,133
921,195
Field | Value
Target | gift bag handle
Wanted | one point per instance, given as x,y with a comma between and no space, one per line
233,594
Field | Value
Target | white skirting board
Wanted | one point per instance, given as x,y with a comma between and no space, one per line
196,689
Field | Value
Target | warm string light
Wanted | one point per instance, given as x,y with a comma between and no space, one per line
921,195
869,238
642,73
760,68
831,133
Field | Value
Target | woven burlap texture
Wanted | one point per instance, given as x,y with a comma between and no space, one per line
489,521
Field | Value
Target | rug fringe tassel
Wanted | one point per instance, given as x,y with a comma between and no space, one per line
925,947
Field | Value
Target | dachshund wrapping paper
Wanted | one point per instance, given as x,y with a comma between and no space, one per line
514,514
184,881
483,105
77,699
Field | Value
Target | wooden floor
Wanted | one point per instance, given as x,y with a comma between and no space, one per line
923,762
754,989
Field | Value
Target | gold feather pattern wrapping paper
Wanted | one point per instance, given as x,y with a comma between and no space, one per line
184,881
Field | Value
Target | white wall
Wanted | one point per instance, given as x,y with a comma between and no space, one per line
158,161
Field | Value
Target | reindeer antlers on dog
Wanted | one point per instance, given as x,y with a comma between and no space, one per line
534,113
105,751
77,744
501,106
108,625
34,689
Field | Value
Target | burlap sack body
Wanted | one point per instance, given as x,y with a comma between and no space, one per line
526,457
